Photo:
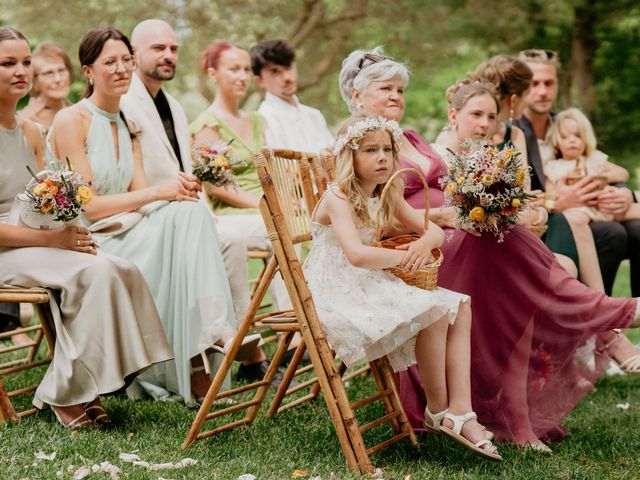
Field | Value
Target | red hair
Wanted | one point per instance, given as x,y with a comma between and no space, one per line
211,55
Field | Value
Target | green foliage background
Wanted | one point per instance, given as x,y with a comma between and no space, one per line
440,40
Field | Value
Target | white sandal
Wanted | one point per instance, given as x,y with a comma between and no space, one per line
436,421
483,447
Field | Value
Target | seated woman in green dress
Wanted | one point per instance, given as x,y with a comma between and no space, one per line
229,68
175,244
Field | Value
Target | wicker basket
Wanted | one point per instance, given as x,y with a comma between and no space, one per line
427,277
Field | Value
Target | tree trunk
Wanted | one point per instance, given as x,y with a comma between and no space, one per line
583,48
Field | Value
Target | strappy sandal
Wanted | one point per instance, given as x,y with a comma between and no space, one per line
436,421
630,364
484,447
81,421
247,348
98,414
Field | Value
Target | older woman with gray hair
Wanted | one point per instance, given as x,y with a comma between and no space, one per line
530,316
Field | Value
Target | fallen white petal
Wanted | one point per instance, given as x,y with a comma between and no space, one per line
377,474
82,472
246,476
43,456
141,463
129,457
623,406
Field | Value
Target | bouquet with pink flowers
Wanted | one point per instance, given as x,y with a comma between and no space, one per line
58,193
213,162
487,187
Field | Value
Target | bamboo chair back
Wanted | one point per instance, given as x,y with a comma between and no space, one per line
296,176
10,361
329,164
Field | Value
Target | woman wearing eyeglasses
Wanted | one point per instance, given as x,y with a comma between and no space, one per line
52,79
174,244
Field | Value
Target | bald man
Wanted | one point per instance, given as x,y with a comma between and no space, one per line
164,133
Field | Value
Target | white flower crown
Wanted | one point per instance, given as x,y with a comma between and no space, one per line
358,130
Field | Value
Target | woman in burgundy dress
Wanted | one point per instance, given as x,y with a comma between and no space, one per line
539,337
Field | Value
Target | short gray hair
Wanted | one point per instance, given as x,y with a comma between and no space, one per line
362,67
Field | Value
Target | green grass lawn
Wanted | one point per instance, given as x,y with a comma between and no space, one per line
603,444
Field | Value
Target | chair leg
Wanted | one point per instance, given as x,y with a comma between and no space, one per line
289,374
377,366
7,413
389,381
33,350
225,366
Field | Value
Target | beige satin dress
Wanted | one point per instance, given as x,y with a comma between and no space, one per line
106,323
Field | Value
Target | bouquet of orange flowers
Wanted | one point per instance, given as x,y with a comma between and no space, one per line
487,187
213,162
58,192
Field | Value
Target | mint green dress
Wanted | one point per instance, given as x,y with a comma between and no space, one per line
245,170
177,250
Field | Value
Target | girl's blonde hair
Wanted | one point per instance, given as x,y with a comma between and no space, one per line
584,127
349,183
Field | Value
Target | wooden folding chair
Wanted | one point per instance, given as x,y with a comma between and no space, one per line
10,363
292,182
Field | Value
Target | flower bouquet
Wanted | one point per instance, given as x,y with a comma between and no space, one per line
54,197
487,187
213,161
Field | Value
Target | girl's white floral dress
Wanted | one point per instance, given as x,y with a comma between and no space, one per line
365,313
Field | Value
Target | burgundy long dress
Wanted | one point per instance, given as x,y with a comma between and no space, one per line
529,315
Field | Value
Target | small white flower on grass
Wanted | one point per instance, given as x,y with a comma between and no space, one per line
623,406
135,459
43,456
82,472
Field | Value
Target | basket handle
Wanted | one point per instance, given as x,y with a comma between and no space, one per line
393,176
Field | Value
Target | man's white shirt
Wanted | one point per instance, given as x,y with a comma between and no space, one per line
294,127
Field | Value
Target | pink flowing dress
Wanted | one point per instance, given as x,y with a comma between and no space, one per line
538,337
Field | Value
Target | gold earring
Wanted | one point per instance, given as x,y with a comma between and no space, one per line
90,82
511,115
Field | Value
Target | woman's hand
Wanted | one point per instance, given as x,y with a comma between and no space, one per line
78,239
418,253
182,188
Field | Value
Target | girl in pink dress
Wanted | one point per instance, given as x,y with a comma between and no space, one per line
536,339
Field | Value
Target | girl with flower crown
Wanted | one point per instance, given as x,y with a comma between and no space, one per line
366,312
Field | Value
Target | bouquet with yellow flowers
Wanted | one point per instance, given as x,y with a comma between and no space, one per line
487,187
56,195
213,161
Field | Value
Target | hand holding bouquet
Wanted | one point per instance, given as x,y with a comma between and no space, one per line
487,187
57,193
212,162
